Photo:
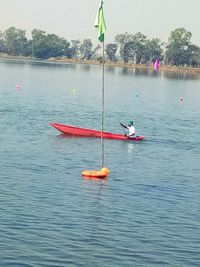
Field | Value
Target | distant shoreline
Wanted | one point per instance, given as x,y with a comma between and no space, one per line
108,63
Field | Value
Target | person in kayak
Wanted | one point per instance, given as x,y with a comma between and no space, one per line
131,129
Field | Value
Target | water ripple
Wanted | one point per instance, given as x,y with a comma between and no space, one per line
145,214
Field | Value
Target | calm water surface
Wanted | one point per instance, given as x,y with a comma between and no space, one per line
148,211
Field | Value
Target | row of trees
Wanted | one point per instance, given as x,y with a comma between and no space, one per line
14,42
179,50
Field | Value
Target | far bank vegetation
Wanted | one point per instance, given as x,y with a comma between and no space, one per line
126,48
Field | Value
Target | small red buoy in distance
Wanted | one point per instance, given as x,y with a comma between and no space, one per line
18,87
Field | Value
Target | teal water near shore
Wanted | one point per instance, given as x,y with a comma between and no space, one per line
145,214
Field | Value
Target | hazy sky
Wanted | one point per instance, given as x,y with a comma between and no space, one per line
74,19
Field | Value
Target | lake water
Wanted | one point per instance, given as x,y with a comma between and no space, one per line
147,213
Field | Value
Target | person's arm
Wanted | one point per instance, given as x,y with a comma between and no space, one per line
123,125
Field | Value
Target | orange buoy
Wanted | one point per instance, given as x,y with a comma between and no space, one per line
103,173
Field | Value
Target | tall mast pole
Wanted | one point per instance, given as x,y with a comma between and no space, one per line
102,111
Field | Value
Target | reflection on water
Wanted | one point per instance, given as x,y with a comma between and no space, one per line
126,71
177,75
130,147
86,67
142,72
38,63
168,74
110,69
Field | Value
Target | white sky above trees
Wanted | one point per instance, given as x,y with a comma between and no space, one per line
74,19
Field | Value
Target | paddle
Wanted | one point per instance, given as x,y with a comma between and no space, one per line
122,128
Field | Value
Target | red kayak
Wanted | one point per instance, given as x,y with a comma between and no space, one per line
84,132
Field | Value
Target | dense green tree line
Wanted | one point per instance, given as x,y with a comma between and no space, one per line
129,48
42,45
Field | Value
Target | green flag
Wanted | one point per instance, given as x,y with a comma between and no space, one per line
100,23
